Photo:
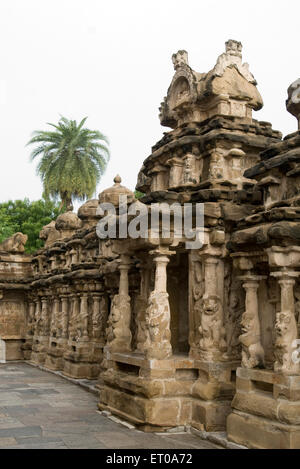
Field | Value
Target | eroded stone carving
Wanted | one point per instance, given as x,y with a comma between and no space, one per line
212,333
234,324
49,234
293,101
180,59
118,332
286,334
233,57
158,334
14,244
252,350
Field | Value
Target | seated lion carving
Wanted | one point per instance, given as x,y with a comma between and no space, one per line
15,243
49,234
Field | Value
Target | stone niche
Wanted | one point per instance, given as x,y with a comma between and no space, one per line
13,323
15,269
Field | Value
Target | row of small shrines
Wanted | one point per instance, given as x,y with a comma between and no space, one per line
63,317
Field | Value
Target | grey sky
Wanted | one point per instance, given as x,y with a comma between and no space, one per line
111,61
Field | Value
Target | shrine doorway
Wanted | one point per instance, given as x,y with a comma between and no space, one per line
178,288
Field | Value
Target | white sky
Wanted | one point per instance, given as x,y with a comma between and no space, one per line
111,61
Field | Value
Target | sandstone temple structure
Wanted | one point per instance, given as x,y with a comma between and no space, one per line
206,337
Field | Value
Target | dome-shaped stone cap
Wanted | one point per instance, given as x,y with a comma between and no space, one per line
293,101
112,194
88,210
68,221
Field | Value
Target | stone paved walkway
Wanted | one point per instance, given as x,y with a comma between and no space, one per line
41,410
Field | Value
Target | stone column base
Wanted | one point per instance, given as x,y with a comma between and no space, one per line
39,350
213,392
83,360
266,410
55,360
27,348
210,416
157,395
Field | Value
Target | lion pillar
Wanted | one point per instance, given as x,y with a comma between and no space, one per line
266,406
158,334
84,317
65,315
119,333
286,332
212,341
252,350
141,306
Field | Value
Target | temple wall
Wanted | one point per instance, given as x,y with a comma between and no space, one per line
15,268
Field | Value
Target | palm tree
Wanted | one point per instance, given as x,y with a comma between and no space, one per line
73,159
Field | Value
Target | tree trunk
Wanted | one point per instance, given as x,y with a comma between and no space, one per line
66,201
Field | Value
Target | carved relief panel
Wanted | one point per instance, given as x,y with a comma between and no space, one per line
12,319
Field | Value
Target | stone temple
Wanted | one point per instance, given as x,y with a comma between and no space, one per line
203,338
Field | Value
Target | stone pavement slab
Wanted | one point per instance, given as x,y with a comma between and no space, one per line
40,410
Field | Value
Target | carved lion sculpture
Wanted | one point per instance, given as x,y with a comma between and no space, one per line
211,331
49,234
158,333
286,334
15,243
118,331
252,351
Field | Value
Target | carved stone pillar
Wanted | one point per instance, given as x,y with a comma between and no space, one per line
211,276
74,313
141,305
96,317
84,317
175,174
158,334
212,341
119,334
65,316
286,325
37,316
45,320
252,350
30,321
287,292
54,318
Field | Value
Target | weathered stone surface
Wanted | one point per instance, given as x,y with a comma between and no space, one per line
293,101
14,244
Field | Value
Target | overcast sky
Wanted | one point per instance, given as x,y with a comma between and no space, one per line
111,61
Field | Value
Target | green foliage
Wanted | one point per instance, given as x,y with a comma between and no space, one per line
138,194
28,218
73,160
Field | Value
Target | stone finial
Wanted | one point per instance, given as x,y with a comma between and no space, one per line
233,57
117,179
180,58
88,213
293,101
112,194
234,48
